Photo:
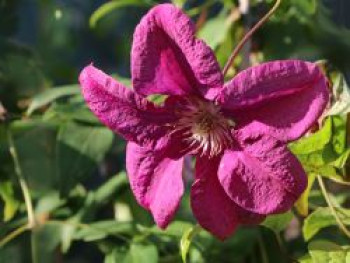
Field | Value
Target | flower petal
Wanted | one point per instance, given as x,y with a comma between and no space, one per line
214,210
264,177
156,181
167,58
123,111
280,98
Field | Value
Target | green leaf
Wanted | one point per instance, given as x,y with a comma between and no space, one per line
314,142
111,188
328,252
140,252
50,95
322,217
11,204
302,205
48,203
305,259
35,149
186,241
279,222
102,229
45,239
342,96
175,229
79,149
108,7
117,255
320,151
215,30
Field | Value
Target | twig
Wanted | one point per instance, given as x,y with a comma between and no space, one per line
22,181
13,235
248,35
330,205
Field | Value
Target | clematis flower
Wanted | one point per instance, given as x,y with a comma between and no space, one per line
238,131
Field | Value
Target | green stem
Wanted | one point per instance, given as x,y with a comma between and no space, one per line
22,181
332,208
248,35
13,234
264,257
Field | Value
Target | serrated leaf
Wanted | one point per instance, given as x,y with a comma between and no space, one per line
322,217
186,241
50,95
279,222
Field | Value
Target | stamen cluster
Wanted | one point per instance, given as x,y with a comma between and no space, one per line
205,127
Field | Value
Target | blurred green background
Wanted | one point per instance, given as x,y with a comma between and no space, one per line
74,167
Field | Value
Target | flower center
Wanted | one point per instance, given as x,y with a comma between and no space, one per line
204,126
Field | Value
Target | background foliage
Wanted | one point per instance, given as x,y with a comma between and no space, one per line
60,164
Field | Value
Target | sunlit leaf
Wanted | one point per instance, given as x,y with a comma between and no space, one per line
323,251
186,241
342,97
313,142
322,217
302,205
7,195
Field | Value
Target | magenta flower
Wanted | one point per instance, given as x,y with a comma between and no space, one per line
237,131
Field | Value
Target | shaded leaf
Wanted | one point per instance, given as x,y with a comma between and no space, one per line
50,95
215,30
79,149
102,229
139,252
279,222
108,7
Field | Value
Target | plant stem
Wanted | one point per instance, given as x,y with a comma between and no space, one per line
248,35
264,257
13,234
332,208
22,181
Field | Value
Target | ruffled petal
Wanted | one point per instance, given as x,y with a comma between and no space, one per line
214,210
167,58
264,177
123,111
156,181
281,98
